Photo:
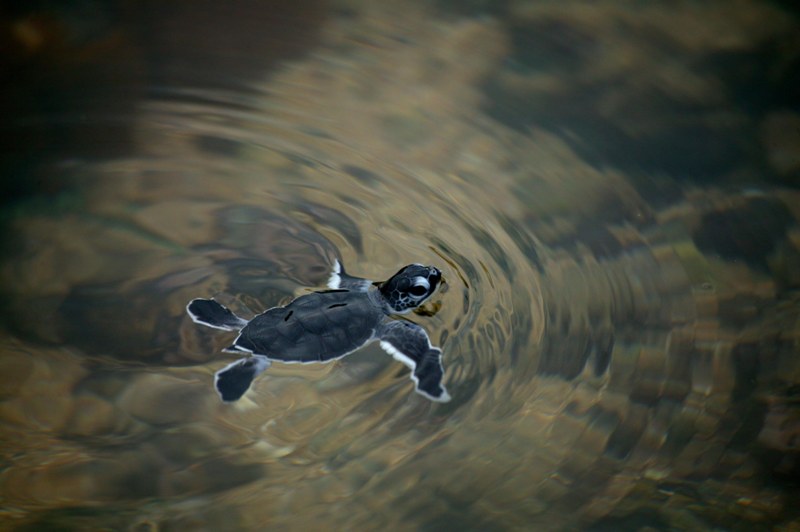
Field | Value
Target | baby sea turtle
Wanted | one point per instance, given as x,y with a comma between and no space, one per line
330,324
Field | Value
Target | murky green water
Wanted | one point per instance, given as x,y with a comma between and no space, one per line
610,191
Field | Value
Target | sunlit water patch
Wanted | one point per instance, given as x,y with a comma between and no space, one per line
612,361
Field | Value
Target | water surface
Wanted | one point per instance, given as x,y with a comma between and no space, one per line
610,192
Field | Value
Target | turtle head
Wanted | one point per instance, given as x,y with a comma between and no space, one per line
410,287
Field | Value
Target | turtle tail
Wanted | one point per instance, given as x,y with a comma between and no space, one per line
211,314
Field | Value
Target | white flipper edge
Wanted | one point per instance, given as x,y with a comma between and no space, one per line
335,280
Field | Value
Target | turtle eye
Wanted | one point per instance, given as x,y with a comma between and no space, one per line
418,290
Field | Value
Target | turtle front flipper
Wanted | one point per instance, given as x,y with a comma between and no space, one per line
409,343
340,280
234,380
211,314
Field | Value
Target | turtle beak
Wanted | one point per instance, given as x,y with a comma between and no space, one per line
435,277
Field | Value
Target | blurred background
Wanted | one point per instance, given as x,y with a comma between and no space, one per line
611,191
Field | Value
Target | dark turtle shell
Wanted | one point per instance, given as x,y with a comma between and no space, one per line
315,327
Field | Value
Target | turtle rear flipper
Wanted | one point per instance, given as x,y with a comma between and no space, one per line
211,314
234,380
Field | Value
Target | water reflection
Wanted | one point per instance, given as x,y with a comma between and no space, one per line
620,321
